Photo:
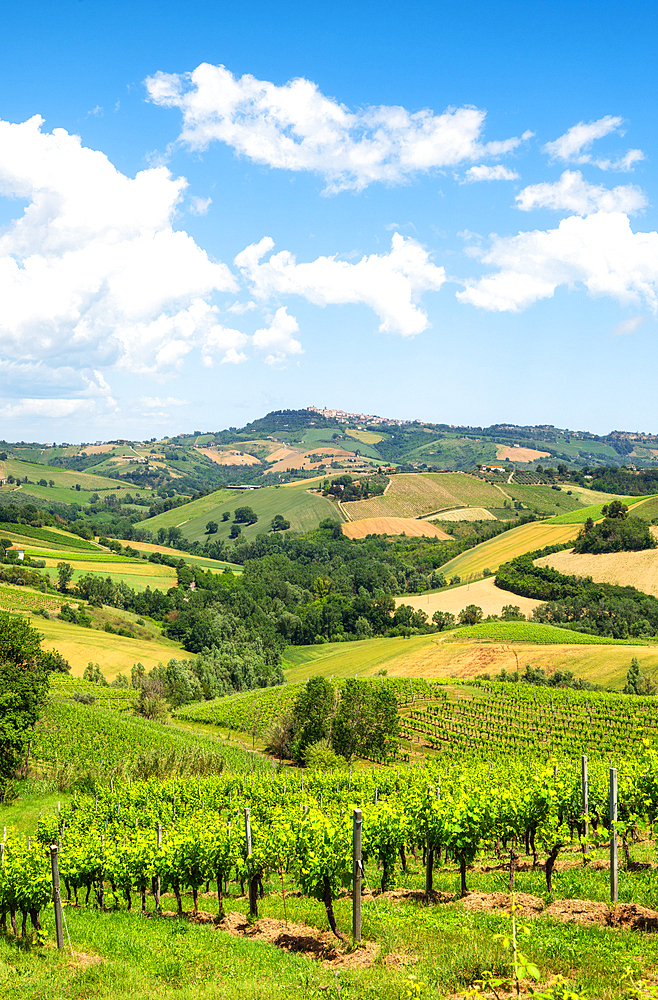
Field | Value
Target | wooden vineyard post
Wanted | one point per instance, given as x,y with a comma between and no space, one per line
57,899
157,877
613,834
251,879
583,768
357,826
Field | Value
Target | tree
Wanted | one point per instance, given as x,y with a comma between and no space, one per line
511,612
212,528
244,515
443,620
226,515
23,689
637,682
279,523
64,575
615,509
312,714
470,615
235,531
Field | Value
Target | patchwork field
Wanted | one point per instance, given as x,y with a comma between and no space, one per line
304,510
416,494
137,574
392,526
483,593
626,569
596,510
490,555
432,656
61,477
320,455
213,564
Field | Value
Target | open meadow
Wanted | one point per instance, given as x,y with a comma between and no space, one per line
626,569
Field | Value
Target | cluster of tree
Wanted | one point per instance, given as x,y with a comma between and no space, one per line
360,719
617,532
24,673
345,488
538,677
578,602
613,479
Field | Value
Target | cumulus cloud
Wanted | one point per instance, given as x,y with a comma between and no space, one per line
390,283
93,273
573,146
600,252
628,326
572,193
278,338
497,173
296,127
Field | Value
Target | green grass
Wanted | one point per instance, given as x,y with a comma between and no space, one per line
647,509
51,538
303,509
595,511
531,632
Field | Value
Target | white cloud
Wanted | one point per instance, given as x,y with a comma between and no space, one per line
200,206
155,402
628,326
573,146
241,307
390,283
93,273
574,194
569,147
278,337
497,173
599,251
50,408
623,164
233,357
295,127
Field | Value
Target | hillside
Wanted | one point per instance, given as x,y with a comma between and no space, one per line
491,554
293,501
483,593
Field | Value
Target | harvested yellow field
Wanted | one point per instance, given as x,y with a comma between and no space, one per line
228,457
625,569
483,593
523,455
491,554
392,526
280,453
418,494
465,514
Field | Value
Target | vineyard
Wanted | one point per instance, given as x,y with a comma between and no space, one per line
534,632
410,495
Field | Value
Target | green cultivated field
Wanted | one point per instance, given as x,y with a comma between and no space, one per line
61,477
304,510
595,511
531,632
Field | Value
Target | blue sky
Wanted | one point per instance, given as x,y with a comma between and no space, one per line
211,210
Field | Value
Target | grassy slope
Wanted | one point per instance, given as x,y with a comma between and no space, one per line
626,569
115,653
61,477
432,656
596,510
491,554
304,510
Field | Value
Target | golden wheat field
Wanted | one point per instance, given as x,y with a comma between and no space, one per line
626,569
114,653
392,526
483,593
491,554
523,455
228,457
